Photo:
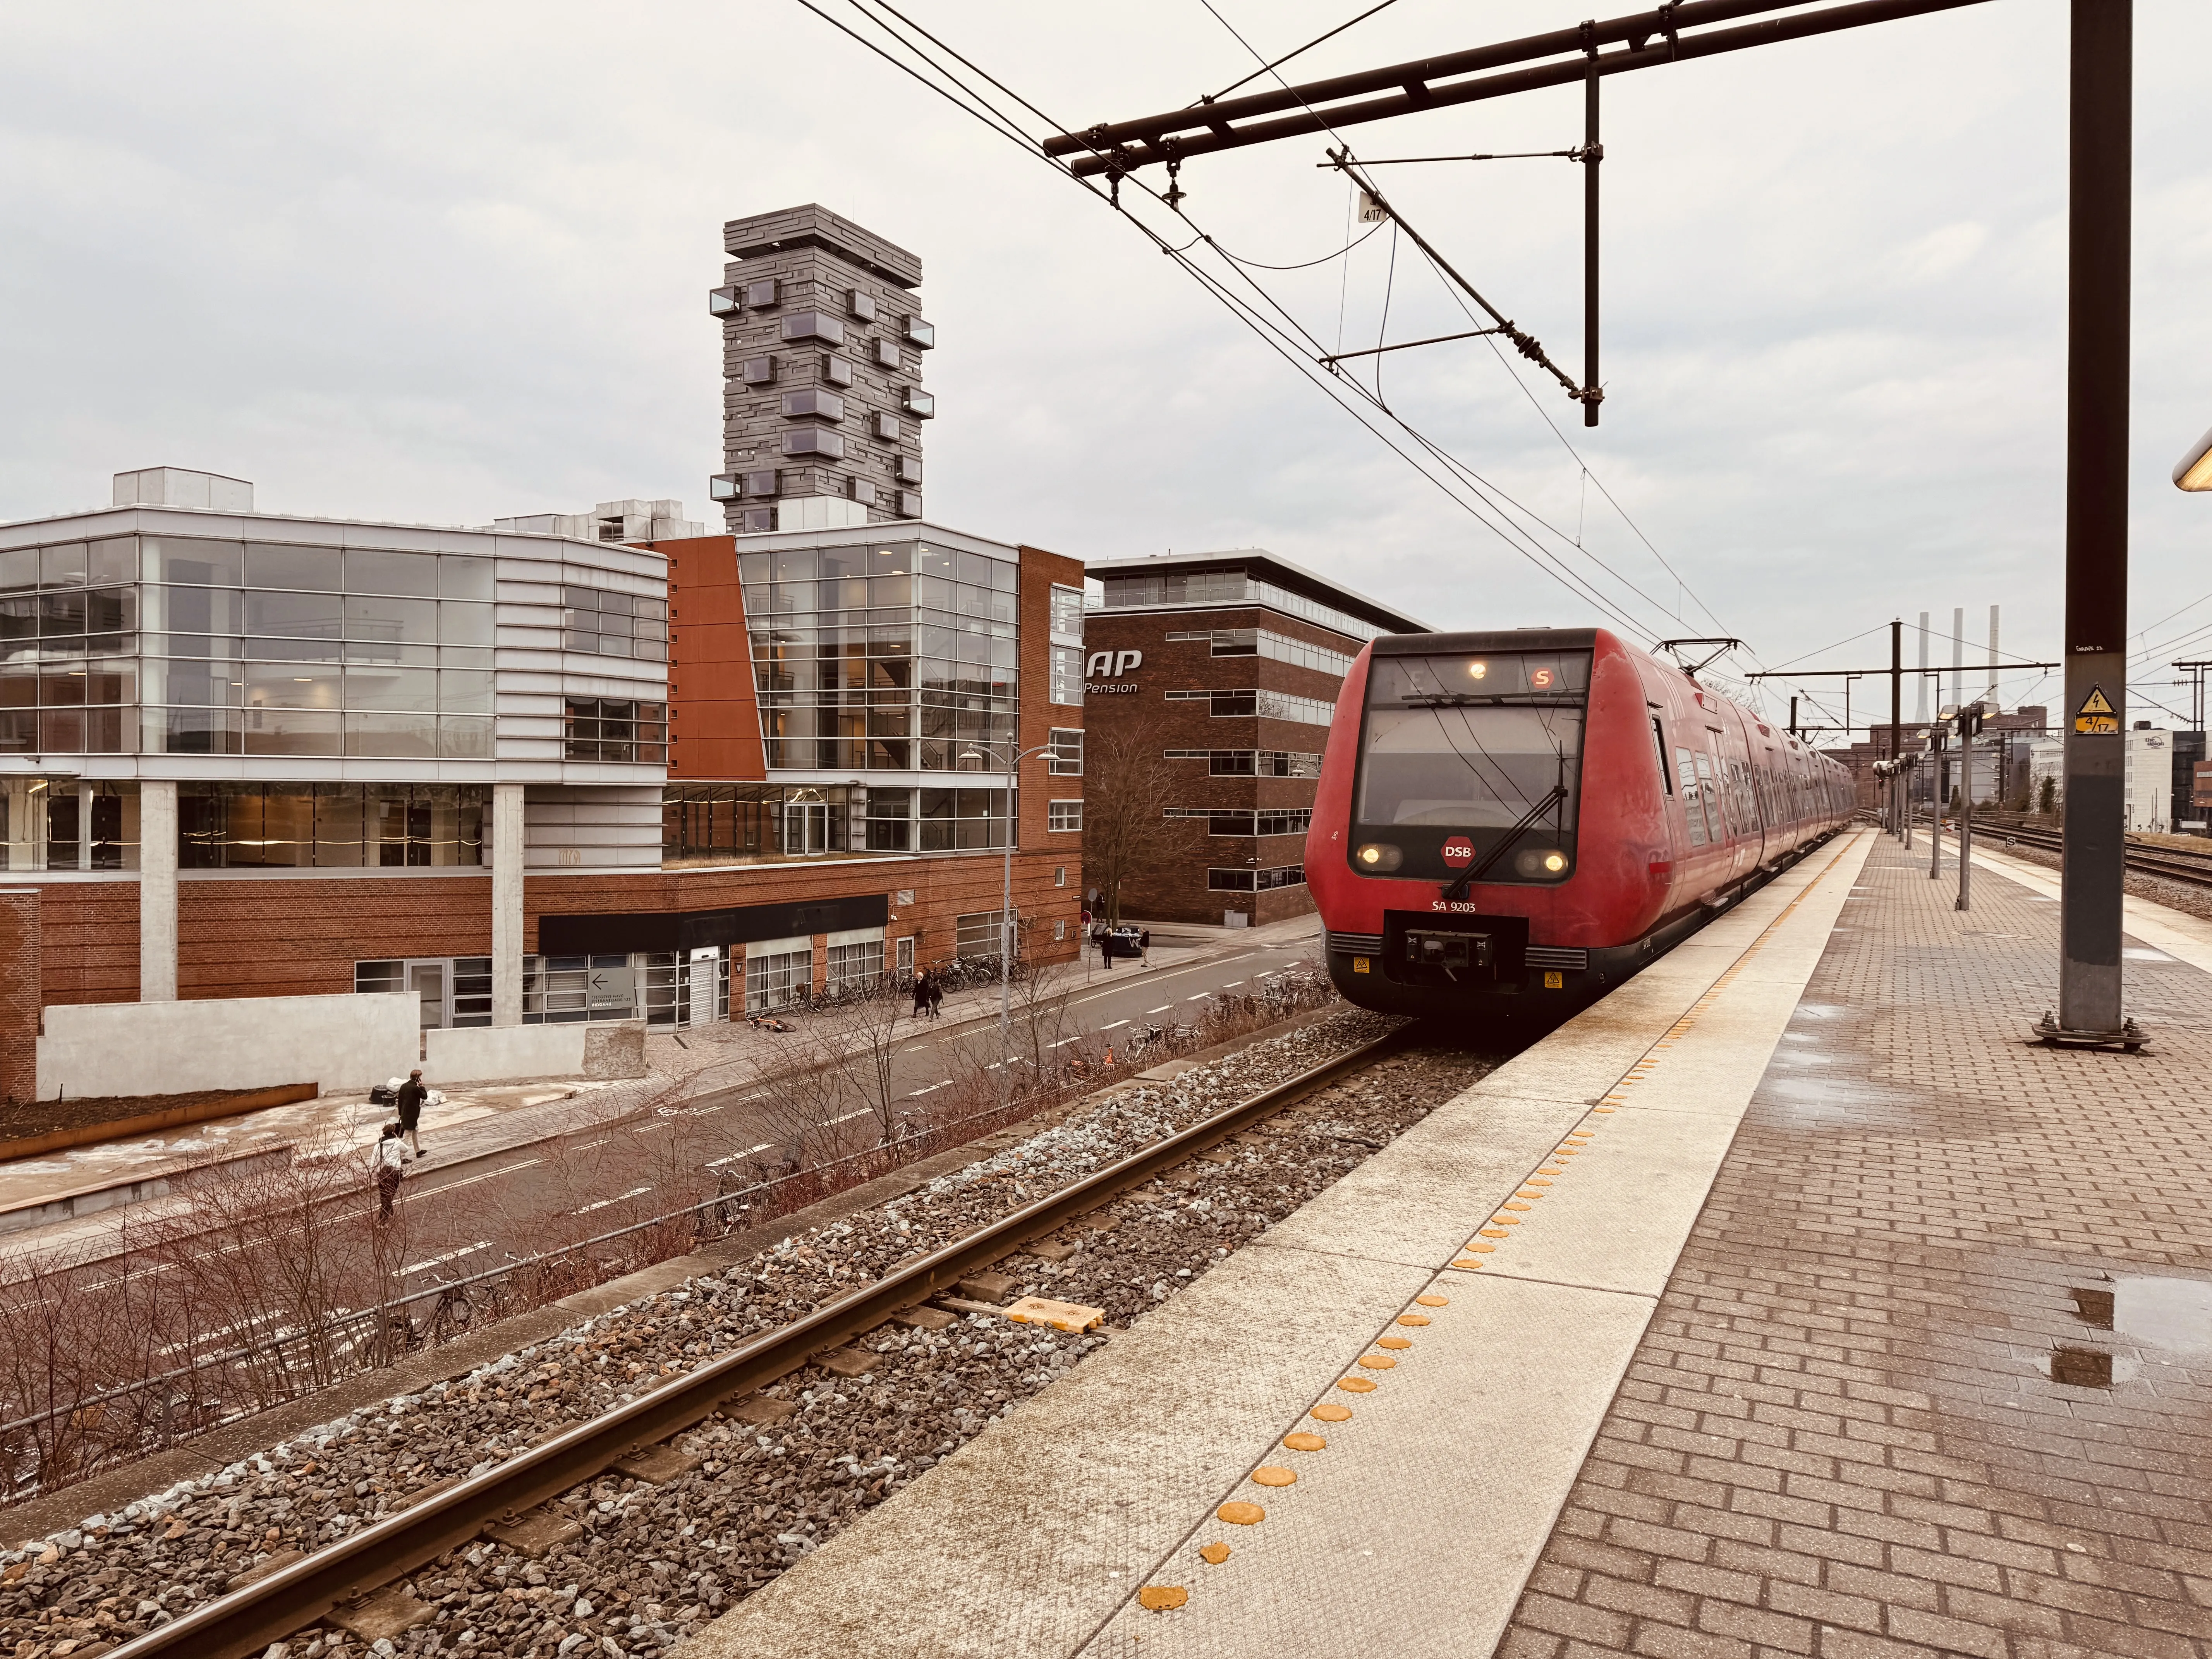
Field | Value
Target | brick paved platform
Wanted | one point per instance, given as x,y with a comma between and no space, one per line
1841,1434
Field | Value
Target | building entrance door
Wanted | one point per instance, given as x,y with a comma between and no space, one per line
805,827
698,994
427,980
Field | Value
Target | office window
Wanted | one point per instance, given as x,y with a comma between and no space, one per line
757,371
1066,680
917,403
1064,814
814,325
814,440
1065,758
1059,927
909,504
1243,821
330,826
607,729
886,427
1060,875
886,353
837,371
907,468
1066,612
813,400
1269,705
611,624
764,292
1257,881
861,305
920,334
859,964
978,935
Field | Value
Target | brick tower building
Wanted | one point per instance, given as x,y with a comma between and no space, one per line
821,400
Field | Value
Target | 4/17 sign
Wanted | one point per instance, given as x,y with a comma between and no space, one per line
2096,717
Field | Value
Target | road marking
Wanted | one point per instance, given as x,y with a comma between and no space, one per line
635,1192
470,1180
717,1164
1162,1009
1063,1041
1232,985
1201,997
587,1145
931,1089
1116,1025
450,1255
865,1111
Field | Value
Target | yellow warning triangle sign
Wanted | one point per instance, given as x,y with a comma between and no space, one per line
2095,703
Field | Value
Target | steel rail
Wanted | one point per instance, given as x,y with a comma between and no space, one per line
246,1621
1109,154
2194,868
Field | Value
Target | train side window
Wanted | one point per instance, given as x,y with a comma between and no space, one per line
1693,804
1708,796
1666,772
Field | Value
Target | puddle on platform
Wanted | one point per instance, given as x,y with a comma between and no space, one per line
2172,1314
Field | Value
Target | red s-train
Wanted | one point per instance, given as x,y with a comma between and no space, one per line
1508,823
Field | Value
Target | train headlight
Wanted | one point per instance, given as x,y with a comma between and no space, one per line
1378,856
1541,862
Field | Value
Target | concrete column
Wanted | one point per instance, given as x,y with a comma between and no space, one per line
157,890
507,904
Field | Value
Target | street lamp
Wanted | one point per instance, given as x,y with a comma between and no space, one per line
2194,471
1006,901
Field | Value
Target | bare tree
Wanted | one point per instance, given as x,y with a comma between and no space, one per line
1128,785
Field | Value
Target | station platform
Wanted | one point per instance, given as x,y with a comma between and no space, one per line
1750,1315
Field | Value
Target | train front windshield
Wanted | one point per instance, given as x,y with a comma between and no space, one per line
1471,763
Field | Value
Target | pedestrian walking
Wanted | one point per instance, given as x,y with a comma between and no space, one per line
1145,948
936,997
411,1096
922,987
1106,949
389,1156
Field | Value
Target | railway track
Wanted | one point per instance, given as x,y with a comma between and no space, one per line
2194,868
248,1619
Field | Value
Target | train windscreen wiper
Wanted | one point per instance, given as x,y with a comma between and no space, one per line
1457,890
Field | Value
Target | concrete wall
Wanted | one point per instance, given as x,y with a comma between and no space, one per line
484,1054
345,1041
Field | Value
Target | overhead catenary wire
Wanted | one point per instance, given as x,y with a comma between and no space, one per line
1289,339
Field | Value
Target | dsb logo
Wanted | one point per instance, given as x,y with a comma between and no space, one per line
1459,850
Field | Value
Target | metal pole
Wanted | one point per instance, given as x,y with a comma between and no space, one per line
1965,813
1905,774
2098,271
1897,808
1793,717
1006,942
1935,802
1593,154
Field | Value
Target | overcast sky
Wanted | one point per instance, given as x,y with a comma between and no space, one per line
443,261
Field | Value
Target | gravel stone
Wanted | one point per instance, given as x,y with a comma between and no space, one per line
653,1563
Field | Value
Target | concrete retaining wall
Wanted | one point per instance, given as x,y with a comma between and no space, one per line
484,1053
347,1042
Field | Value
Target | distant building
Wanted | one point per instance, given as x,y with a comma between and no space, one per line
2148,778
1231,663
821,400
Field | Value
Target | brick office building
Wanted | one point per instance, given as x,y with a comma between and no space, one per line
321,798
1232,661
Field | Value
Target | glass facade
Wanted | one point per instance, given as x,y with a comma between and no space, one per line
182,645
330,826
724,822
66,824
873,657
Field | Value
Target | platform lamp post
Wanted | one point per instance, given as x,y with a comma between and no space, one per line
985,752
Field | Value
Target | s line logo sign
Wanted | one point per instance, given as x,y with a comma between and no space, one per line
1112,665
1459,850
